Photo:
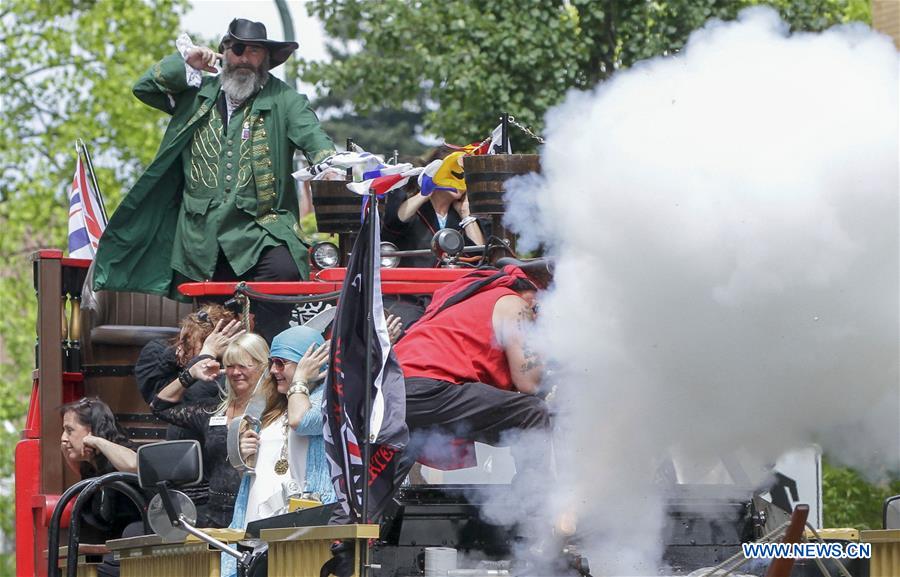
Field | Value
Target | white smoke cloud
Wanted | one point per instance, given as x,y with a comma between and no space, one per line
725,224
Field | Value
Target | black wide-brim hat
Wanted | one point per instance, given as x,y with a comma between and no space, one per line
241,30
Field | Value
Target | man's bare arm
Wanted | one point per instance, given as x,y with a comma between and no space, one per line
511,319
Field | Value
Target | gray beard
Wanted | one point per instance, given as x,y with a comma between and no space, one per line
242,83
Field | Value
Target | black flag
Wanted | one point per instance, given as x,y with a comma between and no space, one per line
345,410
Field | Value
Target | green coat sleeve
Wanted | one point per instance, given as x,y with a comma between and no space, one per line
162,85
305,132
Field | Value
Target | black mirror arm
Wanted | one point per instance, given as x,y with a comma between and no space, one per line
172,510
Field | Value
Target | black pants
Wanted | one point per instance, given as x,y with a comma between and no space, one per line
437,411
471,411
275,264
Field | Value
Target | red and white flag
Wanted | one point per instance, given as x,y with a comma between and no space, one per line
386,180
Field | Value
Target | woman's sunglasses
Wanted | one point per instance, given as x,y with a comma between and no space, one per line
278,363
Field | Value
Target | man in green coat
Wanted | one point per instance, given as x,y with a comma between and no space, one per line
218,202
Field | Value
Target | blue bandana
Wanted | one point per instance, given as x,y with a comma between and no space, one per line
293,342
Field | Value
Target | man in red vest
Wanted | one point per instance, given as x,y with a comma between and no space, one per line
469,373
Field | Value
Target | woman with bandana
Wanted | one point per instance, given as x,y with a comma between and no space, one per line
290,446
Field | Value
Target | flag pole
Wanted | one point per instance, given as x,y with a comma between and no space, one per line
370,329
90,169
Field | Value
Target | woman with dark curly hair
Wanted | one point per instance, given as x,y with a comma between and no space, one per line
92,441
161,362
93,444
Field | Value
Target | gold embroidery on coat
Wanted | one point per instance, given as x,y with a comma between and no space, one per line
206,148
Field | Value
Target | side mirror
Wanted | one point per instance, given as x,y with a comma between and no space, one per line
890,517
161,466
171,514
178,463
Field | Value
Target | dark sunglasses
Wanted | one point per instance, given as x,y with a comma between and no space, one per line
278,363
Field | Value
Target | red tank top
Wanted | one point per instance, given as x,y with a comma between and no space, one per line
458,344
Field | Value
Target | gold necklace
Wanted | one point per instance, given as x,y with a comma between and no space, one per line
281,465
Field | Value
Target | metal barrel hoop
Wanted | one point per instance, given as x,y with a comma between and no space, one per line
486,177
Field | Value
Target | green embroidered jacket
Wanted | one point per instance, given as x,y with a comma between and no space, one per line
210,187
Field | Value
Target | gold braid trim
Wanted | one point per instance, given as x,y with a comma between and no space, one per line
321,155
262,171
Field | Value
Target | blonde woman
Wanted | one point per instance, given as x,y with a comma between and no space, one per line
246,365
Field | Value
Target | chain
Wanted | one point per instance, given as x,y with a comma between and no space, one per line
525,129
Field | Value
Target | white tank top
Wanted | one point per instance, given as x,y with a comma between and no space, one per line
267,482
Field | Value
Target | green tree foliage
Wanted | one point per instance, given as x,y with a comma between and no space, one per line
851,501
461,63
380,131
67,69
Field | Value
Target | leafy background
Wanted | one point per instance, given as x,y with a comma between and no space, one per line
401,73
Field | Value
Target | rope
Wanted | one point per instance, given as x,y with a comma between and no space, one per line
245,311
243,293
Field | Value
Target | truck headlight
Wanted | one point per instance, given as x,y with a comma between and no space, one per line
325,255
387,260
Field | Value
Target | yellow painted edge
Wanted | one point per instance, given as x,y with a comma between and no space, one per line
842,533
322,532
220,534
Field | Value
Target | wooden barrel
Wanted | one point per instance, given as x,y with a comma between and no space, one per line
486,176
337,209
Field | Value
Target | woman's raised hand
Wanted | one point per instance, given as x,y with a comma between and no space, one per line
461,203
205,370
222,336
309,368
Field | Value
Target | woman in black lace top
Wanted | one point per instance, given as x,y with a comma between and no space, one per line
200,418
245,362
